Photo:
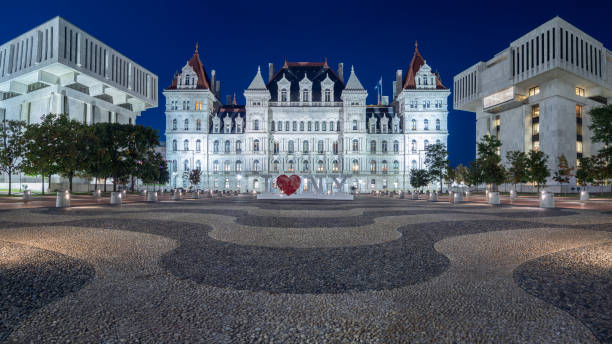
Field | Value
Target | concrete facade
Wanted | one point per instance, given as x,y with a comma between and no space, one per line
556,71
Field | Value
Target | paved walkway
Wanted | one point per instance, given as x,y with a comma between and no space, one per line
238,270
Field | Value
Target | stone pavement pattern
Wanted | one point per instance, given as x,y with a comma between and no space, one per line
241,270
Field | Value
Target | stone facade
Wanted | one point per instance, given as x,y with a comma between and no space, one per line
305,120
537,93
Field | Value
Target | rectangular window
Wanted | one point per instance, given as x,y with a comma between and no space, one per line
317,126
534,90
548,45
323,126
535,127
554,39
572,48
561,42
580,91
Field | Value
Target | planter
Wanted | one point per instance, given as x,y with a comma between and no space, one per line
62,200
401,195
433,196
493,197
451,197
468,193
177,196
458,197
152,197
415,195
143,193
196,194
116,198
584,195
547,200
124,194
27,195
97,194
513,194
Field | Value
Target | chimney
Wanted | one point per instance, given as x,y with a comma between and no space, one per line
394,89
228,99
270,71
217,87
341,71
213,74
398,81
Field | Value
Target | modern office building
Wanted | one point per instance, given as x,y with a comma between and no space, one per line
58,68
537,93
305,120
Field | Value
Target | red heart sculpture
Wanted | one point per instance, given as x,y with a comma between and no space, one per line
288,185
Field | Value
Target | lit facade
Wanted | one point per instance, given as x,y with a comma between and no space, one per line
536,94
305,120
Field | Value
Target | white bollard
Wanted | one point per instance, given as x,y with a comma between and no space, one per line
584,195
27,195
547,199
458,197
196,194
493,197
415,195
177,196
116,198
487,194
97,194
401,195
124,194
152,197
451,197
467,193
513,194
143,193
62,200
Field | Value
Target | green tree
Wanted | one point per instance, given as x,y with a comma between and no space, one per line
436,160
141,141
450,176
537,168
517,172
586,171
461,174
40,156
194,177
488,162
601,127
419,178
564,171
12,148
473,177
97,153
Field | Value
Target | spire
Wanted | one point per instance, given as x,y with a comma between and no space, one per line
258,82
234,100
415,65
353,83
416,45
196,51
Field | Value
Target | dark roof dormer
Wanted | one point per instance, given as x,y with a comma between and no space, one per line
316,72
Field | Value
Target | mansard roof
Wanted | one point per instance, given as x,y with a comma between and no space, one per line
198,68
316,72
417,62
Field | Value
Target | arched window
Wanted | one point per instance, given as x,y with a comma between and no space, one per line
305,96
256,145
335,147
320,166
198,165
216,147
355,145
276,147
426,144
426,124
279,126
331,125
335,165
186,145
294,125
372,146
437,124
384,146
186,124
291,166
323,126
198,145
238,166
438,141
395,146
255,184
227,146
283,95
355,165
198,124
309,126
256,165
290,147
338,126
301,125
384,168
327,95
226,166
286,125
174,145
413,146
185,165
275,165
272,126
216,166
306,166
305,146
174,124
174,165
413,124
373,166
320,147
355,124
414,166
238,146
256,124
395,166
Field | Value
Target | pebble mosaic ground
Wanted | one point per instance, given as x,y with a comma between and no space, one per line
238,270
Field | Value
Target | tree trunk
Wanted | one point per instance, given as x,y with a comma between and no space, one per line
114,184
132,188
43,184
104,184
70,181
10,175
49,177
96,185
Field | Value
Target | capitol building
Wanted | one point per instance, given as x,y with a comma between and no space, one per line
305,120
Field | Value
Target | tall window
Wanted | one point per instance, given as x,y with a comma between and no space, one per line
335,147
305,96
272,126
286,125
227,146
256,165
331,125
384,168
238,146
309,126
335,166
355,165
256,124
316,125
373,166
186,124
216,166
320,166
174,124
355,145
437,124
338,126
305,146
198,124
276,147
413,164
283,95
226,166
256,145
305,166
216,147
579,132
395,146
426,124
413,124
186,145
174,165
275,166
291,166
301,125
279,127
384,146
198,145
355,125
198,165
396,166
294,125
426,144
372,146
413,146
238,166
290,147
174,145
320,146
323,126
185,165
327,95
535,127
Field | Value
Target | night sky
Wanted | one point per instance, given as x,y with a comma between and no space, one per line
377,37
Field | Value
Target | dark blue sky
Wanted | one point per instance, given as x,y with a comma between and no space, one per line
375,36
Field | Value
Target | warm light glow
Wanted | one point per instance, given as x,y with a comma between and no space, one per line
499,97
